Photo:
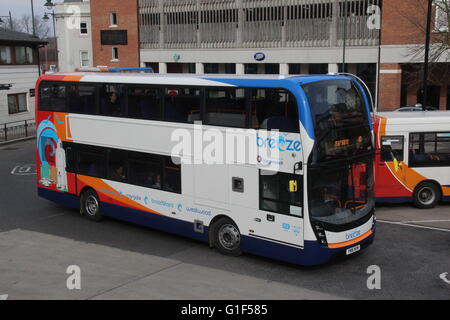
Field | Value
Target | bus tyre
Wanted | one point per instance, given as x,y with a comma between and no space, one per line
227,238
426,195
90,205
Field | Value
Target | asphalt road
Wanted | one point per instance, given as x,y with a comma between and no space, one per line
39,240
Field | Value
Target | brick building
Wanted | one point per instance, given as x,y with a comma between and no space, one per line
276,37
115,39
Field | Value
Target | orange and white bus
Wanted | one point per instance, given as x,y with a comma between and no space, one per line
413,157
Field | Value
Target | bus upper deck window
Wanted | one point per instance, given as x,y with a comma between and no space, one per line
274,109
52,97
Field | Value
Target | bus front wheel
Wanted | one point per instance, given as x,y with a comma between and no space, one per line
90,205
227,238
426,195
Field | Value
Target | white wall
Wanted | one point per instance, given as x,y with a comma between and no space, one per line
70,40
22,78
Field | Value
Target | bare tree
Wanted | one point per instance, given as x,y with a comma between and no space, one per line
416,15
25,24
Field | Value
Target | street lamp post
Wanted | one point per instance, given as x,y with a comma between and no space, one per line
427,55
49,5
10,20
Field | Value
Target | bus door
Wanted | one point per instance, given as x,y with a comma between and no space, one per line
390,169
280,215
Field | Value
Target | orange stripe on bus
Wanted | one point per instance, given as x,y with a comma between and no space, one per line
73,78
350,242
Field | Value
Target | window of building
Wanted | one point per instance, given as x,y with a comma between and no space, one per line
295,68
211,67
112,100
275,193
84,58
17,103
83,28
429,149
91,161
318,68
225,107
113,19
82,98
52,96
29,55
230,68
182,104
115,54
271,68
274,109
21,56
251,68
5,55
144,103
392,148
442,15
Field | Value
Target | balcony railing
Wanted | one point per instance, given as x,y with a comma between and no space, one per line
255,23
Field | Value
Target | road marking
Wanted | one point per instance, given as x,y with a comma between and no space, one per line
419,221
413,225
3,296
24,170
443,276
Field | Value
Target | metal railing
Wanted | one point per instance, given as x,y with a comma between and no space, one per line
17,130
255,23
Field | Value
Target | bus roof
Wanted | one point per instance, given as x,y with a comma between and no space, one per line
416,117
189,79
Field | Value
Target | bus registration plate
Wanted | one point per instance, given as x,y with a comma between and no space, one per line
353,249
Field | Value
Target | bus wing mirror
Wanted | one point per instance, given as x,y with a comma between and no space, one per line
298,166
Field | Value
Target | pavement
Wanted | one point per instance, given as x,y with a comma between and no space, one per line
40,241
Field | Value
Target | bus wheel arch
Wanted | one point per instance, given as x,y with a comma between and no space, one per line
90,204
427,194
220,226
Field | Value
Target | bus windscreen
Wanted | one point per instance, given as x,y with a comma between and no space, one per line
340,120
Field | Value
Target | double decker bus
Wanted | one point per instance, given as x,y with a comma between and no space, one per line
413,157
132,146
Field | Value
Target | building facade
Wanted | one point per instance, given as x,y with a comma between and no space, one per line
374,39
74,35
19,70
115,33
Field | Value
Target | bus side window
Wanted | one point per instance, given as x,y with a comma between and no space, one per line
82,99
182,104
144,103
392,147
274,109
430,149
112,101
91,161
225,107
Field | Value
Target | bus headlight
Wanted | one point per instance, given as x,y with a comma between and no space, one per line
320,233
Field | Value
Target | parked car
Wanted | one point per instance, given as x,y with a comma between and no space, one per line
417,107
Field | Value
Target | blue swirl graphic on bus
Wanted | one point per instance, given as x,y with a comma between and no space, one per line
281,143
46,135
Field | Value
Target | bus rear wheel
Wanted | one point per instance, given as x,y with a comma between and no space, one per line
90,205
227,238
426,195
